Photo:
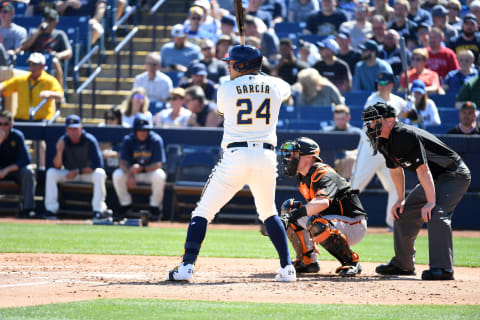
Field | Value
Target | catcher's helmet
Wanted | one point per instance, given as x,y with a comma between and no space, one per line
304,146
246,58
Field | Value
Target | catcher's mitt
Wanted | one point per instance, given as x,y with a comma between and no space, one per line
286,210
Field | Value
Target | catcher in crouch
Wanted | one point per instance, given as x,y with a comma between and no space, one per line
333,215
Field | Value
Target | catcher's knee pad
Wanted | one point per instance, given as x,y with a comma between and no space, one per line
319,228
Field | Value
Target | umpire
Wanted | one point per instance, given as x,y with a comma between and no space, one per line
444,178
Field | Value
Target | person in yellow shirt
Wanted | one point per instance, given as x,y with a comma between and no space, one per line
32,88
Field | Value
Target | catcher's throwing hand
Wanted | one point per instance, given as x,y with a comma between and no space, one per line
397,209
427,211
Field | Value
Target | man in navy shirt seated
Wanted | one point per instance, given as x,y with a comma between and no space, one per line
78,158
142,155
15,162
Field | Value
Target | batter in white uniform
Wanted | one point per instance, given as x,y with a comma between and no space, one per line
250,104
367,164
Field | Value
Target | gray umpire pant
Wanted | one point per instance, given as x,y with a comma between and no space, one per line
450,187
25,177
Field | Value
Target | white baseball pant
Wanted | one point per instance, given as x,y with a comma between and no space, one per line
253,166
354,229
155,178
97,178
365,167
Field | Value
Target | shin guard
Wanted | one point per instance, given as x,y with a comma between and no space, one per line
324,233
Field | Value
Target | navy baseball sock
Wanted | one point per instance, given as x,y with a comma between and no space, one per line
195,235
278,236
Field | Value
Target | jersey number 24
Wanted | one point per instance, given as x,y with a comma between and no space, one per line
245,111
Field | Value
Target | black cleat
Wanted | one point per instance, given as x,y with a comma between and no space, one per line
388,269
301,267
437,274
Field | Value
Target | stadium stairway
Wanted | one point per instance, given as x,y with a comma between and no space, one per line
172,12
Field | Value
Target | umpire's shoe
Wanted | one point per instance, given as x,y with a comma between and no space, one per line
182,273
388,269
286,274
349,271
437,274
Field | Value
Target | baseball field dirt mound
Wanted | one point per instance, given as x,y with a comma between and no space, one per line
34,279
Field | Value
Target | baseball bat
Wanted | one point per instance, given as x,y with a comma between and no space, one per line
239,14
403,56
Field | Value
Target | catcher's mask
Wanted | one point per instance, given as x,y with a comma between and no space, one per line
302,146
372,121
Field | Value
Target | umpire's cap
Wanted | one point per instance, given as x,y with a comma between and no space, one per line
141,122
246,58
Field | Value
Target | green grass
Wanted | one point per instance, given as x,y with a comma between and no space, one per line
185,310
87,239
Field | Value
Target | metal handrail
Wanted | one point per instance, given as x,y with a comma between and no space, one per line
34,111
55,116
154,10
118,48
76,69
80,89
128,12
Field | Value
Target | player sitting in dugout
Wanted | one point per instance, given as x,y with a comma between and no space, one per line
332,217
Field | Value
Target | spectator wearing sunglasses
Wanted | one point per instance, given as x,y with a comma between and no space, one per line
136,102
175,115
215,67
157,85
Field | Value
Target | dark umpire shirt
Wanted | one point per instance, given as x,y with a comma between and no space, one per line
143,153
85,154
14,151
409,147
322,181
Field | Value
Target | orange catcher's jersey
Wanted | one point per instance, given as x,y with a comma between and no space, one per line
250,105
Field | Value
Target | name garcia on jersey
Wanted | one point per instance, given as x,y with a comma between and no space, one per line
258,88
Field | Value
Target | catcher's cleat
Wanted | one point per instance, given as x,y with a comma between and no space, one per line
286,274
301,267
181,273
389,269
349,271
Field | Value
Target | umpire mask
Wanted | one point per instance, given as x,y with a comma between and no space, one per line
378,111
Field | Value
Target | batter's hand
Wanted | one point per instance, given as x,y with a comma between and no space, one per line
427,211
397,209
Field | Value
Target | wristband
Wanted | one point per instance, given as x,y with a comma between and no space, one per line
298,213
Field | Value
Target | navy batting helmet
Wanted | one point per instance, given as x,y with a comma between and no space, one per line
246,58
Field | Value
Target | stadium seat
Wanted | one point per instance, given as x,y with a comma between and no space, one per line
28,22
295,124
356,97
444,100
356,112
20,8
156,106
448,116
288,112
312,38
79,33
317,113
440,129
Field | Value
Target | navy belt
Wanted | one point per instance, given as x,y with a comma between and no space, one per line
244,144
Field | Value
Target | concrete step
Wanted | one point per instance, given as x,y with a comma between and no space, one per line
144,43
173,17
110,71
145,31
87,113
102,96
104,83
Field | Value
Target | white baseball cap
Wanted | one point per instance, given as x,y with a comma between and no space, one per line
178,31
37,57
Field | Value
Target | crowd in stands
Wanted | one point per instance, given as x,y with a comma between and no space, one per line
333,48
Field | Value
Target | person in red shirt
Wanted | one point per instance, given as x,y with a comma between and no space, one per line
441,59
420,71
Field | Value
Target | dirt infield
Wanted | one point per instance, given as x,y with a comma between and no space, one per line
34,279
